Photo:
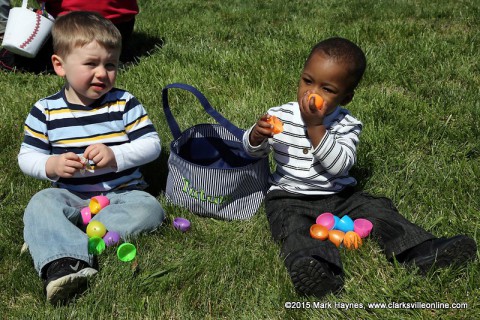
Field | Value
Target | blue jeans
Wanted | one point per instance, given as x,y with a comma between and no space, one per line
53,224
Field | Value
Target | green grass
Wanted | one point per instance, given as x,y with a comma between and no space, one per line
419,104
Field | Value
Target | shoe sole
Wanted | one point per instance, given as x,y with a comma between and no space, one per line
457,254
61,289
310,277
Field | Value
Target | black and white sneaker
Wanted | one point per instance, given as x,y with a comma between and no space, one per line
66,277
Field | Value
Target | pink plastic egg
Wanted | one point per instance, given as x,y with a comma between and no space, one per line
326,219
363,227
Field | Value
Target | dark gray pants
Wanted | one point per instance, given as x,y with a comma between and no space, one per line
290,217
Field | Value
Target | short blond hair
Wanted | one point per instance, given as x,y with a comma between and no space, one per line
79,28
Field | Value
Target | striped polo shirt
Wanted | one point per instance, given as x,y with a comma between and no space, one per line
54,127
302,169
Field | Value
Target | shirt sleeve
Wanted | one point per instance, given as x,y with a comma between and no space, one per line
137,153
259,151
337,151
33,163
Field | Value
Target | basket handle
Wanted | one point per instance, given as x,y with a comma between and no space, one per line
172,123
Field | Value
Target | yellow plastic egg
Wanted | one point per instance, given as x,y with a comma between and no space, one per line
96,229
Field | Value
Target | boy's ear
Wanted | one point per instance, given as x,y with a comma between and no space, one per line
57,63
348,98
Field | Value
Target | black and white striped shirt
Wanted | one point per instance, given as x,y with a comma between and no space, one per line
302,169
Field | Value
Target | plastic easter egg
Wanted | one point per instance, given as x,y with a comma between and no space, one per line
317,100
96,245
181,224
126,252
352,240
336,221
326,219
96,229
97,203
317,231
362,227
86,215
111,238
345,224
276,123
336,236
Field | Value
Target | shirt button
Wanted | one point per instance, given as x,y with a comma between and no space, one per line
305,150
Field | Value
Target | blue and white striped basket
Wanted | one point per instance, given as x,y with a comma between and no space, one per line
209,172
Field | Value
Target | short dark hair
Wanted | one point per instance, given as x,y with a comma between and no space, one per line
344,51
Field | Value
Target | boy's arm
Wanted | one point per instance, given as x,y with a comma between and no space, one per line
337,152
262,150
33,163
137,152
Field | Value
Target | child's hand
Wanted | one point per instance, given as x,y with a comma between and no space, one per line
311,115
101,155
63,166
262,130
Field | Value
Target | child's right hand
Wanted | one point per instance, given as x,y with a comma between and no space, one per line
261,131
63,166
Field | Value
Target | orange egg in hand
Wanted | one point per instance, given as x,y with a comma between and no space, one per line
276,123
317,99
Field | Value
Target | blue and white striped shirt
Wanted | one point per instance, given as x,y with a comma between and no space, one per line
118,120
302,169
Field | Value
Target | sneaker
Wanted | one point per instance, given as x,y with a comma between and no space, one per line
65,278
441,252
313,277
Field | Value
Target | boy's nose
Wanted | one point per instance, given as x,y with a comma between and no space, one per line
101,72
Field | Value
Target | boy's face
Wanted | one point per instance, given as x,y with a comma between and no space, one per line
90,71
328,78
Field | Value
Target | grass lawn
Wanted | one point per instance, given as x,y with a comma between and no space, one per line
419,102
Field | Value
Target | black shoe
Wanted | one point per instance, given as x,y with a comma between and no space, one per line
314,277
441,252
65,278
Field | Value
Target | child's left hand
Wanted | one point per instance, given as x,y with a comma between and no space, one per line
101,155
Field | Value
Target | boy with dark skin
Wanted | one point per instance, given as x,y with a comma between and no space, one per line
313,156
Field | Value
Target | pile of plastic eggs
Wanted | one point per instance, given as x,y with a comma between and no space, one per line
341,231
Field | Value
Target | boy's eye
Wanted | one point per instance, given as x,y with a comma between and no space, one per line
307,81
110,66
329,90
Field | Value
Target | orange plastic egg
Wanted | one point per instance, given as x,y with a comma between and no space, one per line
317,231
336,236
276,123
352,240
317,99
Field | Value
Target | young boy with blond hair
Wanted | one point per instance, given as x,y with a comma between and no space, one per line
87,120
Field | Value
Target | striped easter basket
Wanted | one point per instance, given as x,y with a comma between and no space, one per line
209,172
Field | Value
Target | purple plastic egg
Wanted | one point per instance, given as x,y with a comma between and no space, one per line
181,224
111,238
